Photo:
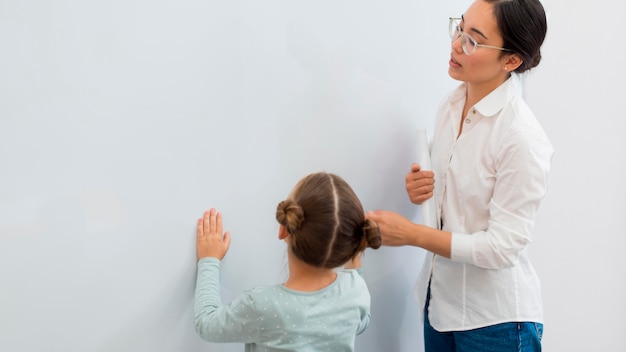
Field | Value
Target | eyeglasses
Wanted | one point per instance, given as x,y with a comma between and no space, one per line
468,43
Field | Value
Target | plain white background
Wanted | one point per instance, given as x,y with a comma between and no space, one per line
121,121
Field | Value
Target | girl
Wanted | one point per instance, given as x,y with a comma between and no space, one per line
490,160
318,308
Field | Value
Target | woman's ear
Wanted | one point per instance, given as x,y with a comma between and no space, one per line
282,233
511,62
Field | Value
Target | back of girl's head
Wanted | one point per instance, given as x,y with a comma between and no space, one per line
326,222
523,26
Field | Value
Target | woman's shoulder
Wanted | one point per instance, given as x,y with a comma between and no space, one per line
516,121
521,132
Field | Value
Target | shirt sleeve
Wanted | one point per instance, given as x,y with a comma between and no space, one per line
365,322
523,165
365,309
214,322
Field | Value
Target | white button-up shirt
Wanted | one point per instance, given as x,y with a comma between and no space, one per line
488,185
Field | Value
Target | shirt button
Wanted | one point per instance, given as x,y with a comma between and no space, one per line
468,121
473,111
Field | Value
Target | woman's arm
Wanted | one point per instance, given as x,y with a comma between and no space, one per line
396,230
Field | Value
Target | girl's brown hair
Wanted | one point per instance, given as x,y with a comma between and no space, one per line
326,222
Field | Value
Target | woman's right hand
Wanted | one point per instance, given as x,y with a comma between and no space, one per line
419,184
395,229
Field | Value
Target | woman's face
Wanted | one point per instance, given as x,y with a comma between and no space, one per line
486,66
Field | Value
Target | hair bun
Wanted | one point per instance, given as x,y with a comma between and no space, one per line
290,215
372,234
536,60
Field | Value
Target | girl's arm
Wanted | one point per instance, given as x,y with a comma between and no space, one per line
235,322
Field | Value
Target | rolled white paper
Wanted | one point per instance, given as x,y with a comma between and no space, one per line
429,210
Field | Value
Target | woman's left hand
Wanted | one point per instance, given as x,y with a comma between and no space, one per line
210,240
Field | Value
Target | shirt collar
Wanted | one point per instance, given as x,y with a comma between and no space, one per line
494,101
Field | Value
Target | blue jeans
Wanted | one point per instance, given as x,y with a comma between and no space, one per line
505,337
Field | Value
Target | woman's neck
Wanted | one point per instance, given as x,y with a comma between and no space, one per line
477,91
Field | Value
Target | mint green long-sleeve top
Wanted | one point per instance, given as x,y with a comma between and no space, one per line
276,318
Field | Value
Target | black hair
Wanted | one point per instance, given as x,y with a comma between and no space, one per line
523,26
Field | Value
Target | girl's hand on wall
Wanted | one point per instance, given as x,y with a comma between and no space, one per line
211,242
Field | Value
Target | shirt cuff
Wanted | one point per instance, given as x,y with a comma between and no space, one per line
461,248
209,260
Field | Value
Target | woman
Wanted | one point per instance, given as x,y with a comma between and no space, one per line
490,160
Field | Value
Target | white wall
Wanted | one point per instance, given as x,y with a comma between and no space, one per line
121,121
578,93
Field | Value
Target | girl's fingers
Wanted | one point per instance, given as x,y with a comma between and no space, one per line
210,224
199,230
206,222
218,223
227,239
213,221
